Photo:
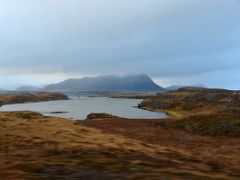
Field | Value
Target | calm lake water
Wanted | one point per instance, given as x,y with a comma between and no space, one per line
79,107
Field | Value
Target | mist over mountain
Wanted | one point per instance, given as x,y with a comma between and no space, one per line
133,83
111,83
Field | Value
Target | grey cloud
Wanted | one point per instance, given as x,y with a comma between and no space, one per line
158,37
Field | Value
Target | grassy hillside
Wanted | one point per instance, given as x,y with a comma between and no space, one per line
200,111
38,147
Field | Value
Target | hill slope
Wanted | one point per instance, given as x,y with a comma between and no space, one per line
200,111
134,83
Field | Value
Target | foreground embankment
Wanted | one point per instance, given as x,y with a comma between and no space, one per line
107,147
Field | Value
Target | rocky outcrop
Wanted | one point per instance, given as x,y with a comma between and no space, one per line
100,116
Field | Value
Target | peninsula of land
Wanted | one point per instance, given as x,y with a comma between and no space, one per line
15,98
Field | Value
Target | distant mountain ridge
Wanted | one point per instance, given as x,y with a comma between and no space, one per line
132,83
27,88
176,87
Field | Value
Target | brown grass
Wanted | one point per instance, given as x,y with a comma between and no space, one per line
218,154
200,111
39,147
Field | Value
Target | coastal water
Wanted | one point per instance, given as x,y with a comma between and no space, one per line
78,107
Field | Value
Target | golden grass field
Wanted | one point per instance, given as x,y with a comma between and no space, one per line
38,147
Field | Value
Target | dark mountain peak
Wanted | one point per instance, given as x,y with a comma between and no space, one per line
132,83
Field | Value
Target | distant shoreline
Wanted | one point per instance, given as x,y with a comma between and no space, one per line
7,98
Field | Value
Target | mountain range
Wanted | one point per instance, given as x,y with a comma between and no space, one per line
133,83
111,83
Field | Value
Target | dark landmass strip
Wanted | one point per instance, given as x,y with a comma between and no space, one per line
30,97
57,112
133,95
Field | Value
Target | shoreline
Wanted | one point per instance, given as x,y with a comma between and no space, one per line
168,113
7,99
56,112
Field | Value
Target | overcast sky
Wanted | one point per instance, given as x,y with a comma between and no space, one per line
173,41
